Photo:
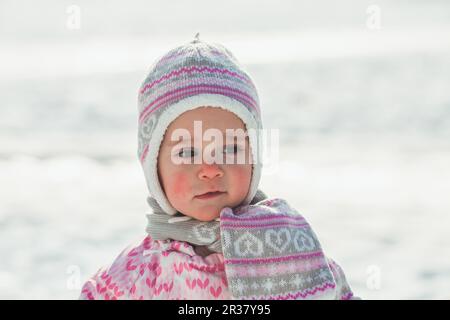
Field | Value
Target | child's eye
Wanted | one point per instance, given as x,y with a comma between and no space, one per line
187,153
232,149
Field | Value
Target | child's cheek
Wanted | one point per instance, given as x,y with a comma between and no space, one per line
242,176
181,185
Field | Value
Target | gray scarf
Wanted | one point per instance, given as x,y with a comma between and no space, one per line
270,251
205,236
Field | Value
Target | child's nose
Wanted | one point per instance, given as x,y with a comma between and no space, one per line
210,171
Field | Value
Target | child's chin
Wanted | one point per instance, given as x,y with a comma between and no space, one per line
207,214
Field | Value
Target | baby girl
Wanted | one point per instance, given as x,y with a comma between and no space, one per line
212,233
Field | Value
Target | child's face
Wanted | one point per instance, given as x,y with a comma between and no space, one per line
183,183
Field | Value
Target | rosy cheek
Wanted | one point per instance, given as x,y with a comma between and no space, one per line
242,176
180,184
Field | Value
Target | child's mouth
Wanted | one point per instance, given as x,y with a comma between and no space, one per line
209,195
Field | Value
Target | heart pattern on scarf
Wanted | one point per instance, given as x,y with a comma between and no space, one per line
278,240
303,241
206,231
248,244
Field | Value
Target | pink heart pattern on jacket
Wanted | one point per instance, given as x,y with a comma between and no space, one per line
136,275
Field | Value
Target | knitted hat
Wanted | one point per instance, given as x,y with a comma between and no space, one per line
187,77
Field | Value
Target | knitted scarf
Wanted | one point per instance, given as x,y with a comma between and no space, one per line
270,251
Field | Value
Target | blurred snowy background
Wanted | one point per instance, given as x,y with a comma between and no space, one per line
365,159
